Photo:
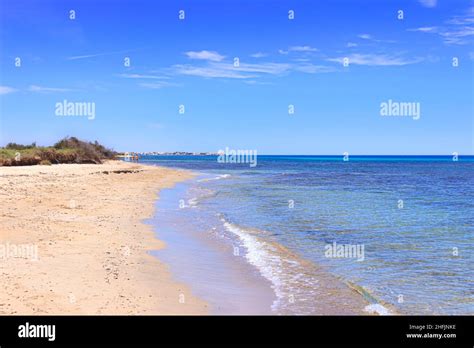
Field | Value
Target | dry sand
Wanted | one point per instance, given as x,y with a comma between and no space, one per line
91,242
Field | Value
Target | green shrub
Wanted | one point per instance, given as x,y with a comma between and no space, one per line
67,150
15,146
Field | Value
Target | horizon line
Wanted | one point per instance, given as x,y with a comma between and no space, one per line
206,153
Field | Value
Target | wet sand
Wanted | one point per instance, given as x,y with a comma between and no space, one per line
226,281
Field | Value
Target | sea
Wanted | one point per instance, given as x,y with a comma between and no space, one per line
322,234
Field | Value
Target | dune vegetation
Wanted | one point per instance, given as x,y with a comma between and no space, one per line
67,150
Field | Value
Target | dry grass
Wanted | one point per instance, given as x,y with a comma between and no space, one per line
67,150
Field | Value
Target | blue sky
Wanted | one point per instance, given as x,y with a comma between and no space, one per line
190,62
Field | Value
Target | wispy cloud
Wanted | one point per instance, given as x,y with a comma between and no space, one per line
247,71
297,49
205,55
314,69
365,36
158,81
228,70
258,55
428,3
255,82
458,37
425,29
351,44
7,90
86,56
369,37
302,49
214,65
210,71
218,69
156,85
457,30
93,55
301,60
100,54
264,68
142,76
42,89
376,60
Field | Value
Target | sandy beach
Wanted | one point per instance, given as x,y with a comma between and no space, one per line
73,241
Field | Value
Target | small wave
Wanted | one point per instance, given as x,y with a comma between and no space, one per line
259,256
299,286
219,177
377,308
193,202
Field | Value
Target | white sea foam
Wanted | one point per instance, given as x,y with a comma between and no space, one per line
377,308
219,177
193,202
259,255
283,272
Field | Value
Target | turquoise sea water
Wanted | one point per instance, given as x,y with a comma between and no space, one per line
409,218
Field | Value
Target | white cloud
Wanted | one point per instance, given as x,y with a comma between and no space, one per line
365,36
254,82
258,55
297,49
375,60
42,89
369,37
141,76
246,71
227,70
264,68
205,55
7,90
85,56
301,60
351,44
314,69
457,36
96,55
425,29
209,72
458,30
302,49
156,85
428,3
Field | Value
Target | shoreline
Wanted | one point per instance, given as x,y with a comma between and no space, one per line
228,283
68,212
217,275
86,223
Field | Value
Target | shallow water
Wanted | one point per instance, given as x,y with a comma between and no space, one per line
406,225
200,255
